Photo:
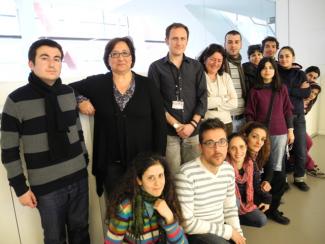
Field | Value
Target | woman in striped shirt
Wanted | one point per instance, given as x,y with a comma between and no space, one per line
144,208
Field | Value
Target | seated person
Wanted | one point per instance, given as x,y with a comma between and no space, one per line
247,184
206,190
144,208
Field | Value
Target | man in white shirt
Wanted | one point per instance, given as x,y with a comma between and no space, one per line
206,190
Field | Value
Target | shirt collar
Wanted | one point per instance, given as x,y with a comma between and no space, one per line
185,59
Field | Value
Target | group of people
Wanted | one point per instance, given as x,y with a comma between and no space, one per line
183,155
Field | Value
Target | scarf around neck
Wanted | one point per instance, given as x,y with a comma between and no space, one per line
56,124
139,210
237,63
247,177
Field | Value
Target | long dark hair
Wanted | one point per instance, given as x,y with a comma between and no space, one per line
235,135
276,80
264,153
129,187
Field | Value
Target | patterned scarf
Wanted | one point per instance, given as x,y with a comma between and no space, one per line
247,177
138,211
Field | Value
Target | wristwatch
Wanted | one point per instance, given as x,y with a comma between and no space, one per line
176,125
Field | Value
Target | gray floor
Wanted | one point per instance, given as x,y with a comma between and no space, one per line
306,211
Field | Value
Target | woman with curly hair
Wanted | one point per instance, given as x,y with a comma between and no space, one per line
144,208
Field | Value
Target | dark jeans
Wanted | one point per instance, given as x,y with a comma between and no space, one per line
256,218
299,145
65,209
207,239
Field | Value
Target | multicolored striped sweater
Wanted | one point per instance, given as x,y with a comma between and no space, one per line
118,228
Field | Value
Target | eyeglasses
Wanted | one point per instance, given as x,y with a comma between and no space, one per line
212,144
117,55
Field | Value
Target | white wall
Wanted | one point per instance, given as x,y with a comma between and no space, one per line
300,24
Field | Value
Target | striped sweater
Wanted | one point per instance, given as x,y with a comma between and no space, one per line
208,201
118,228
23,128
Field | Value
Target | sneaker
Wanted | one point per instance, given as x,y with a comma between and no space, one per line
316,172
278,217
301,185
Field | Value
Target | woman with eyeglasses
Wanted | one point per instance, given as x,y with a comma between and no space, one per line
248,181
128,114
222,96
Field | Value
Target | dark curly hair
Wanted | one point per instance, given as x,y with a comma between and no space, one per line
209,51
129,187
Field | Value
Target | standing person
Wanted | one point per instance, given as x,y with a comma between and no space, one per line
206,190
299,89
269,103
182,85
144,208
247,184
129,114
270,45
255,55
233,44
222,97
41,119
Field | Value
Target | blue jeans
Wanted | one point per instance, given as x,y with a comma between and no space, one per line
207,239
278,147
65,209
299,146
237,124
256,218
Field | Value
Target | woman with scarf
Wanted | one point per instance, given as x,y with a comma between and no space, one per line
247,183
144,208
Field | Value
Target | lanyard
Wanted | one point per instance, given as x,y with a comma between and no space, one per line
177,80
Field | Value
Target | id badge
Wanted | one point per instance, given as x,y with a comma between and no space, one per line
178,105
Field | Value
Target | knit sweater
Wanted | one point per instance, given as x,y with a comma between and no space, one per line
23,128
118,228
208,201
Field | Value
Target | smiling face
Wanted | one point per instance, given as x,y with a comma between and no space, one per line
47,65
286,58
153,180
177,41
118,63
237,149
256,139
213,63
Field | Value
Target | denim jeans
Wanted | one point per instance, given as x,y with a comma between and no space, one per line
299,146
64,210
206,239
237,124
180,151
278,147
256,218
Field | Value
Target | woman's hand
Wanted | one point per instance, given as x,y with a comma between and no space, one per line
86,107
291,136
263,207
163,209
265,186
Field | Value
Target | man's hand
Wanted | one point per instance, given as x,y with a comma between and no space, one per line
86,107
237,238
28,199
185,131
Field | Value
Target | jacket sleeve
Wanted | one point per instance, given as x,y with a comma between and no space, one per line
298,92
264,197
10,150
201,93
229,102
250,110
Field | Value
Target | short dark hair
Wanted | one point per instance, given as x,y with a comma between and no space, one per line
174,26
211,124
288,48
209,51
42,42
276,80
253,48
233,32
111,44
313,69
270,39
